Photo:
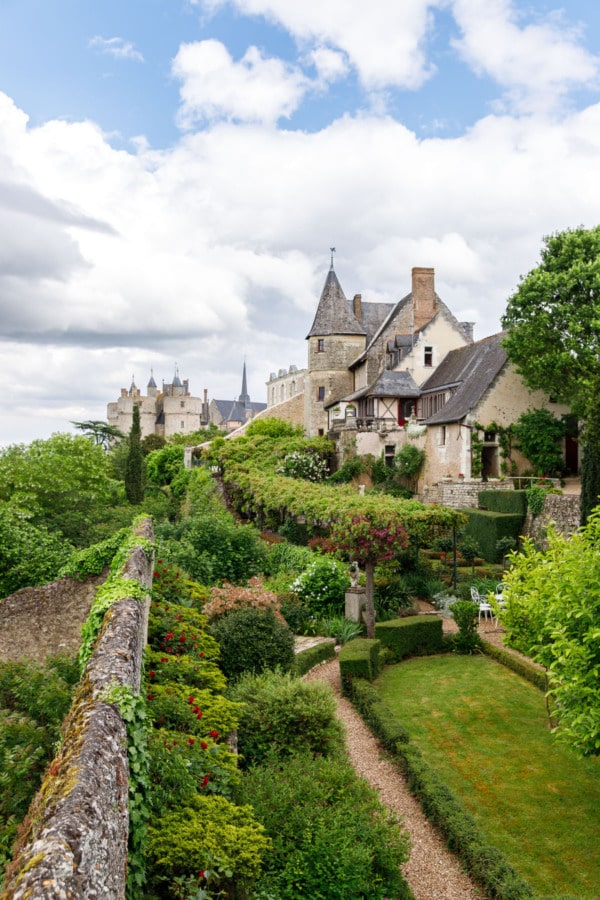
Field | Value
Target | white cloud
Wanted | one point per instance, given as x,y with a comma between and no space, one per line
538,63
384,41
255,89
117,47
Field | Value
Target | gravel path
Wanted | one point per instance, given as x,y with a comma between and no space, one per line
432,871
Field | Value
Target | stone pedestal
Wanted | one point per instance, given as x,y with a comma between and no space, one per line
355,603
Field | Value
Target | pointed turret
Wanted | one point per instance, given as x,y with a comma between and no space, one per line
244,397
334,315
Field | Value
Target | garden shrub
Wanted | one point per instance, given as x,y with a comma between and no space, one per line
323,584
306,464
196,673
503,501
209,841
522,667
225,599
359,659
183,764
252,640
410,636
487,528
180,631
171,584
465,614
312,656
332,838
282,715
287,557
201,713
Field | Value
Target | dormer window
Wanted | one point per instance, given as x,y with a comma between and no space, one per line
428,356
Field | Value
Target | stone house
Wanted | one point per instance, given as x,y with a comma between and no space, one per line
382,374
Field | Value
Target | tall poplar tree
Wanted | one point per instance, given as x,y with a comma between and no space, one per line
134,470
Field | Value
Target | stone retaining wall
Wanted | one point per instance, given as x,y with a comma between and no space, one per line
563,510
462,494
74,840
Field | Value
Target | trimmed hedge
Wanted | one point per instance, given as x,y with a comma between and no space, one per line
308,659
521,666
412,635
484,862
514,502
359,659
488,527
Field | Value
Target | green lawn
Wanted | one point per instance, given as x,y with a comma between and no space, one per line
485,731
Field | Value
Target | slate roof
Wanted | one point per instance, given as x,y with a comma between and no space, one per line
234,411
388,384
334,315
373,315
470,370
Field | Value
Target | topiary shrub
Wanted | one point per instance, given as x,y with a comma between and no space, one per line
464,613
282,715
208,843
253,640
331,835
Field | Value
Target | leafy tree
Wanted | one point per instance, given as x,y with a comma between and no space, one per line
152,442
553,616
29,555
539,435
134,472
553,328
163,465
368,539
100,432
64,484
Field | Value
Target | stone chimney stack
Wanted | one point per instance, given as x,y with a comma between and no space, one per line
357,306
423,296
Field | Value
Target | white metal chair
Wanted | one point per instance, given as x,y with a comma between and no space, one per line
500,601
485,608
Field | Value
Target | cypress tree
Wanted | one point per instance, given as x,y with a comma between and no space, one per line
134,487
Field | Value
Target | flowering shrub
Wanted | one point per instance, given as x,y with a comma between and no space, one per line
304,464
162,667
229,597
182,764
323,584
201,714
180,631
170,583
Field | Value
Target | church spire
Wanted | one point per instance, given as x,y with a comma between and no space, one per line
244,396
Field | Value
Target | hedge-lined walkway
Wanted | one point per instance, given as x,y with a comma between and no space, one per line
433,872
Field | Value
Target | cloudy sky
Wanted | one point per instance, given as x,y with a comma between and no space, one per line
174,172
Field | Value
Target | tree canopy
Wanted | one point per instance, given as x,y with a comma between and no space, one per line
553,320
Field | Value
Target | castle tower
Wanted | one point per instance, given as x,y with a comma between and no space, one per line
335,340
151,389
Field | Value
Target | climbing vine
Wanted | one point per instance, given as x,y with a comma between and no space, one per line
504,437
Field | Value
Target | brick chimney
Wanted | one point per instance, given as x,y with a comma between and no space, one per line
423,296
357,306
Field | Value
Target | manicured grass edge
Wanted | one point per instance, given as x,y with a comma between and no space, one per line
484,862
522,667
308,659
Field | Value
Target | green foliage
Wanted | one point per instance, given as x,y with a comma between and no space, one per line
540,435
410,636
171,585
273,428
200,713
194,671
94,559
590,464
134,468
177,630
99,432
308,465
487,528
340,628
307,659
322,585
332,838
29,555
503,501
287,558
465,614
210,836
63,484
553,616
350,469
181,765
282,715
536,497
152,442
360,659
163,465
253,640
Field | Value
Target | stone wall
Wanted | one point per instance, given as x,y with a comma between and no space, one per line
37,622
462,494
563,510
74,840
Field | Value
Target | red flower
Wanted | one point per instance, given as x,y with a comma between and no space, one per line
214,734
204,745
191,742
205,781
182,639
169,635
150,696
151,674
201,873
190,699
156,574
164,659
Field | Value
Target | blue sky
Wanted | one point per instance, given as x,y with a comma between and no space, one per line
173,172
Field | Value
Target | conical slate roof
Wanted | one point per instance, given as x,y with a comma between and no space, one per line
152,383
334,315
244,397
